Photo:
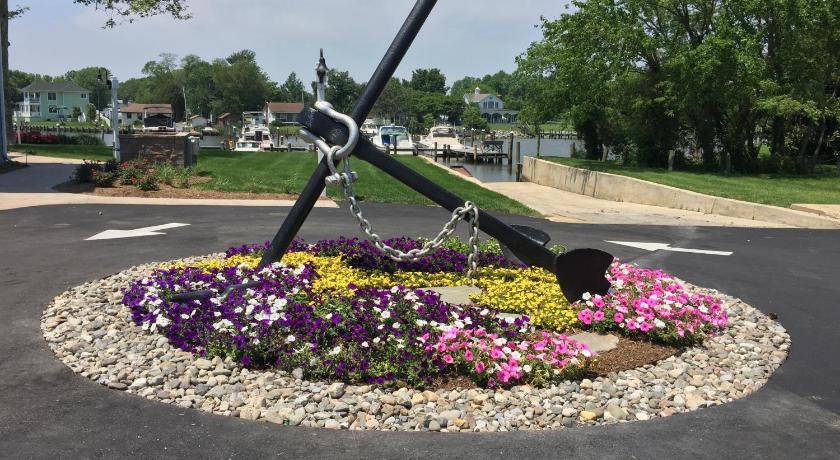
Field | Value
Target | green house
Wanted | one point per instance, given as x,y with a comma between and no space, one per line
52,101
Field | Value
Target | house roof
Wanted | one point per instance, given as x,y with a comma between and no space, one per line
476,97
135,107
224,115
53,86
196,116
284,107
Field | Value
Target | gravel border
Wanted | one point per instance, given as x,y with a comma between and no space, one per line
92,333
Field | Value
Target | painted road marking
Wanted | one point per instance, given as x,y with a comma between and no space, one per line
145,231
667,247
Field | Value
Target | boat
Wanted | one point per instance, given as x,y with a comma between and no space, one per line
254,138
369,129
388,135
442,135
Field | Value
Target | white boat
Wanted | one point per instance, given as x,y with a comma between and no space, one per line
247,146
369,129
442,135
254,135
388,135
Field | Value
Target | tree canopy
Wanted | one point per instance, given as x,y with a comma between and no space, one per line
714,80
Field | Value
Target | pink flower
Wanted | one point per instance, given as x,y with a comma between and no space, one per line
448,359
496,353
645,327
618,318
598,315
479,367
468,355
585,316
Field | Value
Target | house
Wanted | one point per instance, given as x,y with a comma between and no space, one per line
197,121
492,107
283,112
52,101
228,119
132,112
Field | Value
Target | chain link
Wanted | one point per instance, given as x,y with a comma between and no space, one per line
468,212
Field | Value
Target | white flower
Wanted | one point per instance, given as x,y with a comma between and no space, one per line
703,309
421,322
185,316
526,368
586,296
500,341
484,312
516,355
335,350
376,340
506,350
396,325
290,339
586,353
365,344
659,323
386,314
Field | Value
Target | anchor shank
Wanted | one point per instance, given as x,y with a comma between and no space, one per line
526,249
384,71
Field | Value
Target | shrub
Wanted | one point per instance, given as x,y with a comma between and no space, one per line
88,139
66,140
166,173
84,172
103,178
182,177
131,171
147,182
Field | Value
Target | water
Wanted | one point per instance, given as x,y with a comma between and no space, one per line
495,172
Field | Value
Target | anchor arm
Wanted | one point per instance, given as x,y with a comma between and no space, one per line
578,271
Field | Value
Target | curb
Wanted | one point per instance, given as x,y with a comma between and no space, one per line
613,187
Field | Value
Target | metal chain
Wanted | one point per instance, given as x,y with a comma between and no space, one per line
468,212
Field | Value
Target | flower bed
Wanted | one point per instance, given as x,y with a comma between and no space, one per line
339,309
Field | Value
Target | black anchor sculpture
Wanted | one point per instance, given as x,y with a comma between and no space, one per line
577,271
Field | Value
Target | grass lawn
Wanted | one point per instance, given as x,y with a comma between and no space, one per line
776,190
278,172
81,152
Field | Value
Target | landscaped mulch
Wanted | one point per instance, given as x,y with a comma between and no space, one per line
630,354
168,191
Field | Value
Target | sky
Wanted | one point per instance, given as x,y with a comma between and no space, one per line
461,37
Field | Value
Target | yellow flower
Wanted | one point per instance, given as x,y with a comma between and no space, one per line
530,291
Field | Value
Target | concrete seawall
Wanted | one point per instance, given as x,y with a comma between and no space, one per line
613,187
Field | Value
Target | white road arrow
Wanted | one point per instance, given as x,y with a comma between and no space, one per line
145,231
667,247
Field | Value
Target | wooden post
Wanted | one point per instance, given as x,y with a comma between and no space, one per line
519,172
539,138
475,154
518,160
435,153
510,154
670,160
289,146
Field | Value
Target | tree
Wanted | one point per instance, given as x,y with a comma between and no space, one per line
472,118
293,90
429,81
90,114
342,91
393,103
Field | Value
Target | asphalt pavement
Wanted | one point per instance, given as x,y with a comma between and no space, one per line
48,411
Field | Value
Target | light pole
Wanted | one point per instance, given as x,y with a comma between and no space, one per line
4,144
113,84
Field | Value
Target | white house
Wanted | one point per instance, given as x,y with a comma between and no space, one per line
284,112
133,111
492,107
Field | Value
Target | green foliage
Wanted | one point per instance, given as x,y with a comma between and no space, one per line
88,139
90,113
472,118
428,80
342,90
84,172
712,80
103,178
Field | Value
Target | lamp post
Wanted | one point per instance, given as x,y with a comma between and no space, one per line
321,90
113,84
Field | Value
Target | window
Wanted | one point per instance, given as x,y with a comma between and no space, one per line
37,95
35,109
84,95
51,96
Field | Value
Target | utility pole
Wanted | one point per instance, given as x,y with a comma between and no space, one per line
115,117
